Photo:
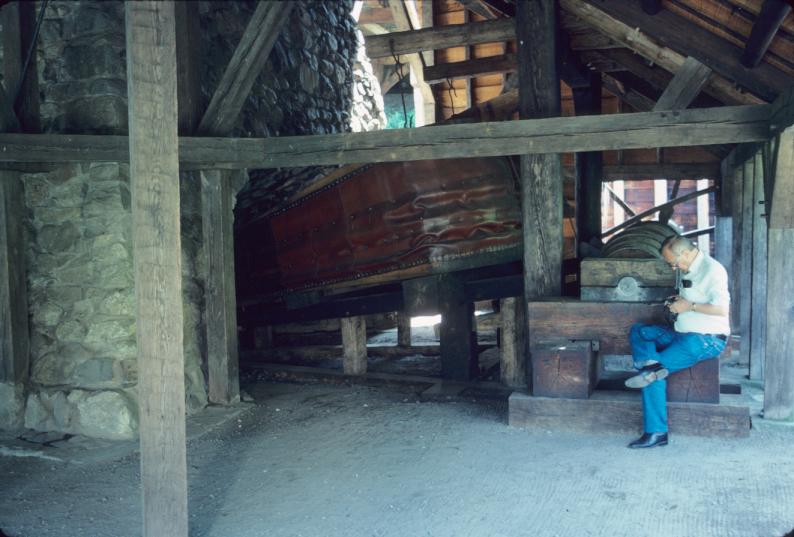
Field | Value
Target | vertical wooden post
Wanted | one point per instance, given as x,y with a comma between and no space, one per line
14,340
744,275
154,172
704,243
459,358
219,295
779,374
541,175
512,348
734,176
354,345
19,20
589,166
403,329
758,274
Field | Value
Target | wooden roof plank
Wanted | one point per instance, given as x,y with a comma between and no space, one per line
679,34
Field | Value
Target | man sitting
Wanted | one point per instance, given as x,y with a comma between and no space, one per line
700,332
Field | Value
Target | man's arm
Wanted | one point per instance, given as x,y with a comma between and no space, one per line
681,305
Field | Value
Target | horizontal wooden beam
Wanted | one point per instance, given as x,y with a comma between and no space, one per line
439,37
636,172
491,65
552,135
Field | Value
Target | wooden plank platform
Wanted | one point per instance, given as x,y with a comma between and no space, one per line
622,412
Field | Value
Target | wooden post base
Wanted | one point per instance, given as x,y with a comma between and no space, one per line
622,412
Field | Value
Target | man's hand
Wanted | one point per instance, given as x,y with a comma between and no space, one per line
678,304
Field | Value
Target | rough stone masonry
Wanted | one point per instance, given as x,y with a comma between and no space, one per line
79,250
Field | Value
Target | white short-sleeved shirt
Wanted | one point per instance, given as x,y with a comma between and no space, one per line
709,286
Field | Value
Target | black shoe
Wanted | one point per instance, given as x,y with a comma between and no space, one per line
649,440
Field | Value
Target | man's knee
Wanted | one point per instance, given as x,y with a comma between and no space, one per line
636,331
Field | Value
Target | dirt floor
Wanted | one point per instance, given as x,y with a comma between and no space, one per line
329,460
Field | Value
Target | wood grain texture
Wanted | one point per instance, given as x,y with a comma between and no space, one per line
617,412
18,20
541,174
154,174
439,37
779,371
782,216
685,86
14,339
512,344
247,62
589,166
354,345
563,369
745,273
607,322
188,63
533,136
403,329
636,38
457,335
758,276
605,272
766,25
219,294
491,65
643,172
675,32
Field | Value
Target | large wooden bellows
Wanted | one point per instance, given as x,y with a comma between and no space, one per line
642,240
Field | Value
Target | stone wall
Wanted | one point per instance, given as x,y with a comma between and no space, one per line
81,293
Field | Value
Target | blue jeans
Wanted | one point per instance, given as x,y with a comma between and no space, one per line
675,351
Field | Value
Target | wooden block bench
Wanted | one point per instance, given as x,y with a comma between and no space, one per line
563,369
609,324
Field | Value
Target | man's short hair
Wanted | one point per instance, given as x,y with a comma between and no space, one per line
677,244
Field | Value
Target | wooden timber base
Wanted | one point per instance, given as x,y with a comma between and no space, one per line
622,412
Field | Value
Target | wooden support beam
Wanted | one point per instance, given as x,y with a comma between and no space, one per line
677,33
766,25
631,37
480,8
458,336
685,86
642,172
492,65
626,94
188,64
154,178
403,329
221,306
14,340
535,136
512,344
439,37
619,200
779,370
247,62
658,208
354,345
589,167
758,275
18,20
541,174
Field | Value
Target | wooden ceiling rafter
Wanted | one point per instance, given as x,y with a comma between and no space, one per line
773,12
687,38
640,42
